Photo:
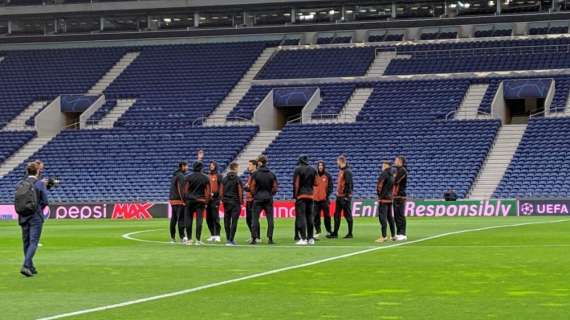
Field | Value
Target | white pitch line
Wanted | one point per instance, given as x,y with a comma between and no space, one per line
129,236
275,271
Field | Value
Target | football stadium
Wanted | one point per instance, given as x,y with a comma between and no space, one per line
269,159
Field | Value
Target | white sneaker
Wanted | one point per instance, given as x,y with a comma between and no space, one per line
401,238
218,239
210,239
198,243
311,242
258,240
185,240
316,236
404,238
301,242
189,242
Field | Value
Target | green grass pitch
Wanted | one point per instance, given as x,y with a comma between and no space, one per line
518,272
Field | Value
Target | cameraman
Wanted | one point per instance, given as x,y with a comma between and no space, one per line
50,183
32,224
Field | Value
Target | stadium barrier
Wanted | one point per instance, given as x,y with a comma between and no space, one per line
286,209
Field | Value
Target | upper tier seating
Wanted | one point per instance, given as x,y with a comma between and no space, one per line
33,75
441,154
318,63
385,37
126,164
491,55
422,100
177,84
540,167
334,97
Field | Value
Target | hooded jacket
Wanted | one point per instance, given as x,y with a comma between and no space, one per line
324,187
232,188
176,188
197,185
384,186
344,183
263,184
400,183
304,180
215,182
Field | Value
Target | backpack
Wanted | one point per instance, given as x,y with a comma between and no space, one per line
26,199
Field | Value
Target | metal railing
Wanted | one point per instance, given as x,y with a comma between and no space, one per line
213,120
343,116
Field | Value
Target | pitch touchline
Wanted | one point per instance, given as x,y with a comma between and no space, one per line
129,236
271,272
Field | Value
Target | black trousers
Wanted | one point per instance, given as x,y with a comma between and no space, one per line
343,206
177,218
258,207
231,216
213,217
304,220
194,208
249,215
386,219
324,207
400,216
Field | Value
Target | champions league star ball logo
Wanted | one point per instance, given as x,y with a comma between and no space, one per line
527,209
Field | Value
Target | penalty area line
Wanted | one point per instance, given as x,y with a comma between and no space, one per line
284,269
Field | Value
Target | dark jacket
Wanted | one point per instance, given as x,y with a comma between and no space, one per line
384,186
344,182
263,184
215,182
450,196
232,189
248,193
400,183
43,202
176,187
324,187
197,185
304,180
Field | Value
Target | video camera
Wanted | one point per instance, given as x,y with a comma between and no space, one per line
52,182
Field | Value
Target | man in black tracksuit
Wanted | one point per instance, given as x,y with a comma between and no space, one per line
231,194
213,206
176,200
251,168
263,187
344,187
384,191
321,196
304,180
399,195
197,194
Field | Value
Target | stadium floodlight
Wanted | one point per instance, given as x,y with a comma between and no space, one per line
467,5
349,11
491,3
453,6
167,20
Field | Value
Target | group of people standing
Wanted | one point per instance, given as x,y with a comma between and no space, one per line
192,194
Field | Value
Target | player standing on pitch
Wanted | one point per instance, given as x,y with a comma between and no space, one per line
213,206
304,181
251,168
176,200
399,194
321,197
264,187
384,191
197,194
231,194
344,189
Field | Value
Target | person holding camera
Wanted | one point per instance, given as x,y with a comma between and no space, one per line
30,201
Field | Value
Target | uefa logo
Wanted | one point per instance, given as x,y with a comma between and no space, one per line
527,209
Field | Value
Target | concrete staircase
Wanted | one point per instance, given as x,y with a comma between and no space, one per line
19,123
381,62
22,154
255,147
469,108
114,73
114,114
498,159
218,117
